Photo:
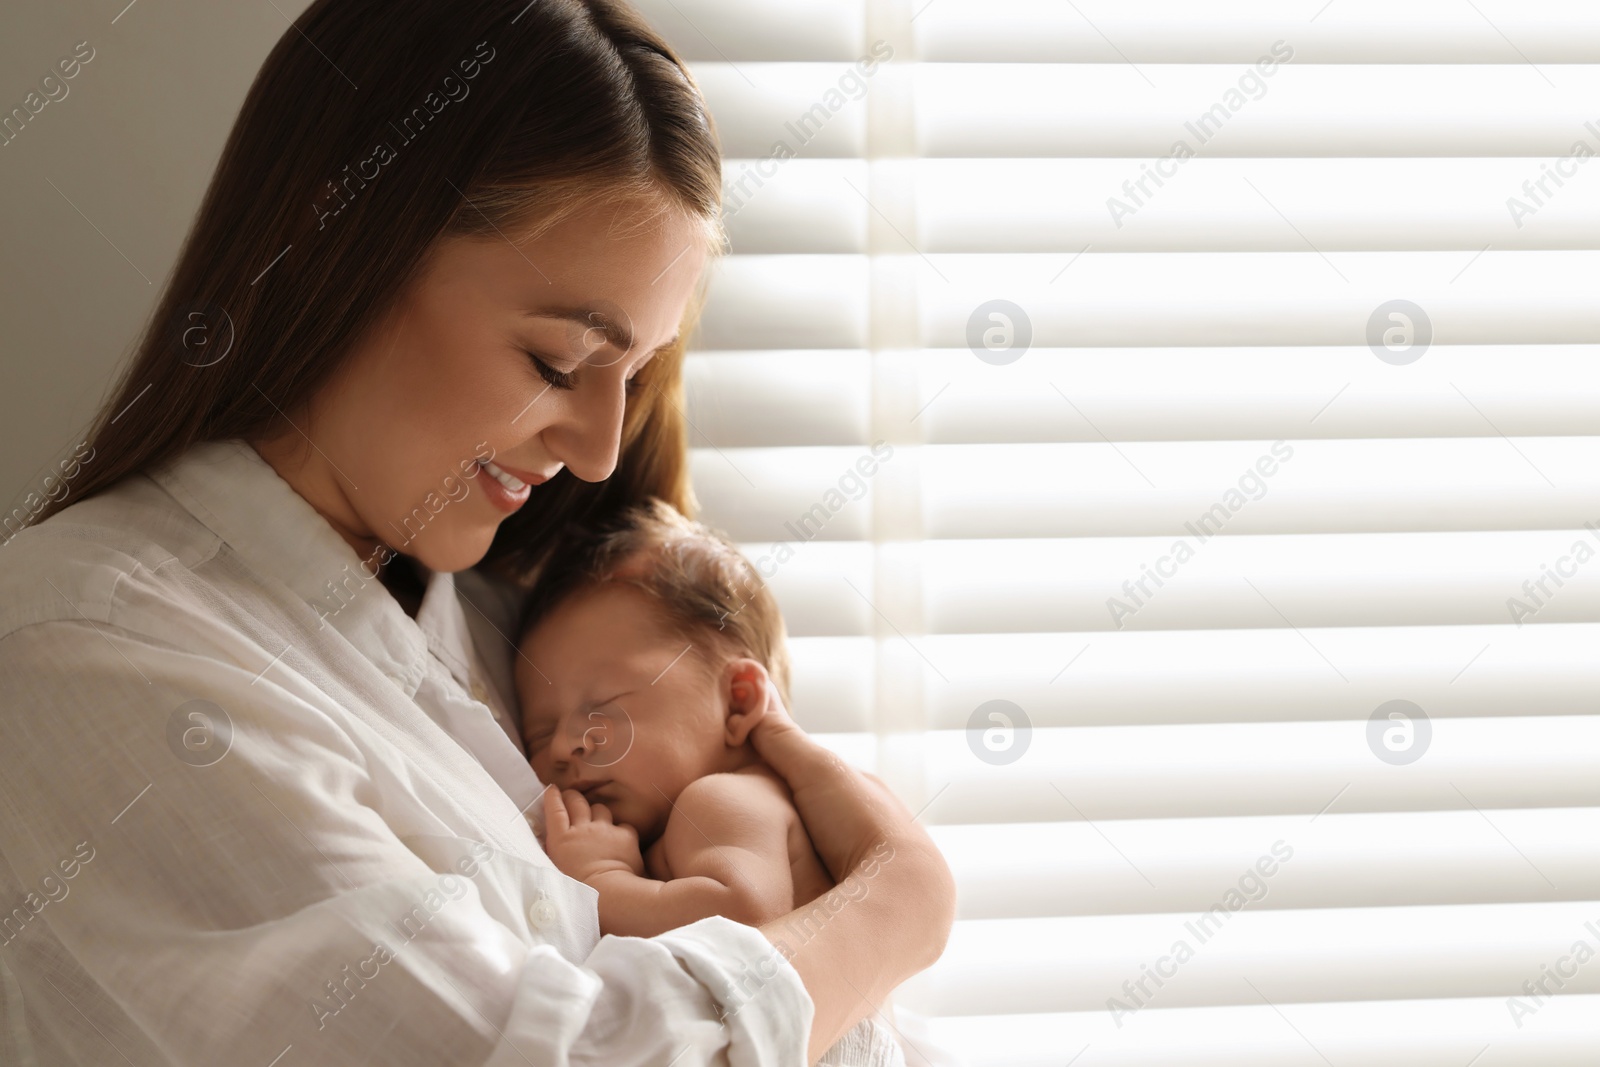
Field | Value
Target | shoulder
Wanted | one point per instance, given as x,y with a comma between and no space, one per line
735,799
83,562
735,828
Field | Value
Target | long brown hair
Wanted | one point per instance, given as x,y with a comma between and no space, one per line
496,116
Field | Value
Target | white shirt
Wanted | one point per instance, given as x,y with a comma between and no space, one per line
245,820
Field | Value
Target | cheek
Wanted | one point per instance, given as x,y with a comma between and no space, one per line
402,420
456,377
451,380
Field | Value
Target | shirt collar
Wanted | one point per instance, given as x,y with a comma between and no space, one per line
228,487
444,624
240,497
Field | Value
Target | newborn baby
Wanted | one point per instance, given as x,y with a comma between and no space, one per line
644,655
640,677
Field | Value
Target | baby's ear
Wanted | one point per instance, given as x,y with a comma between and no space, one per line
744,686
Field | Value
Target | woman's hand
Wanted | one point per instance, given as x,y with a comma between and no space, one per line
581,839
854,954
847,812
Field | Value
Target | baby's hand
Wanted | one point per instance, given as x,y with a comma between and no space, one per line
582,841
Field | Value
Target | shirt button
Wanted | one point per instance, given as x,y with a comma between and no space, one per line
541,913
479,692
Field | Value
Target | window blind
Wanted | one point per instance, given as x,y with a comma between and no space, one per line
1171,431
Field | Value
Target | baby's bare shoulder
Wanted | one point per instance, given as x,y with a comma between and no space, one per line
738,795
721,814
750,786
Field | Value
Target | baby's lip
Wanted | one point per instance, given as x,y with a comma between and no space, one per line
588,787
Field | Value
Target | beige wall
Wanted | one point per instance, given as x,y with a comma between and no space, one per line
132,145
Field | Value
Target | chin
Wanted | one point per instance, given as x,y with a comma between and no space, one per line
451,550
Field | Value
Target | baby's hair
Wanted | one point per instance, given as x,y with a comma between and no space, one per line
703,585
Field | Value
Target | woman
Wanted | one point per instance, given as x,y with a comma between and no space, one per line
261,798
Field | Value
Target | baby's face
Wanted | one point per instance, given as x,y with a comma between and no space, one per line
615,706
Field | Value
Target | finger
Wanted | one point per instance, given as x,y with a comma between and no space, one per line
775,717
600,813
577,806
774,706
555,813
787,748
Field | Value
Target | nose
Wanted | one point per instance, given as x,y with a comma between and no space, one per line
570,742
588,438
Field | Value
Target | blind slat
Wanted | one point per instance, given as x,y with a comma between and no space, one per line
1204,204
1178,490
745,399
1216,769
1235,31
1451,670
1387,859
1163,299
1398,1033
994,966
1110,110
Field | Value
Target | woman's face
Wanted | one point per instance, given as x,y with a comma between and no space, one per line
446,379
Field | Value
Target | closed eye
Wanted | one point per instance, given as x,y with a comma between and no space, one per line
567,380
633,381
556,378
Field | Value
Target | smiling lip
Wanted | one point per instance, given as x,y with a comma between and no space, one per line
505,488
527,476
500,495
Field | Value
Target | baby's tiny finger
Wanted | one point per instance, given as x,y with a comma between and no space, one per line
577,806
555,813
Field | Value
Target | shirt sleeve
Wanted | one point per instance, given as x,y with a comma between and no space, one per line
238,892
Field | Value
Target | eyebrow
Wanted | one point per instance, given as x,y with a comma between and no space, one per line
617,334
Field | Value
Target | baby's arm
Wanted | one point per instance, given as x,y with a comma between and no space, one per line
726,847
